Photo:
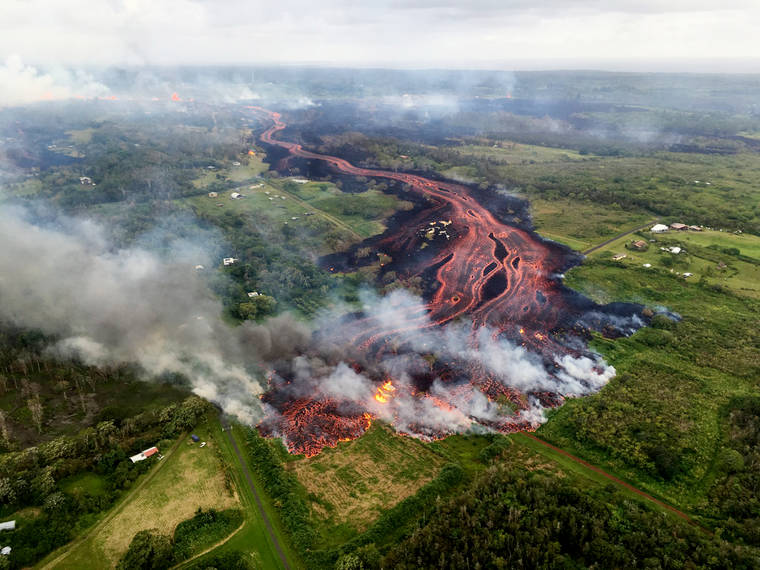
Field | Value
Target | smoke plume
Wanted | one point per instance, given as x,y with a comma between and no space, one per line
108,305
24,84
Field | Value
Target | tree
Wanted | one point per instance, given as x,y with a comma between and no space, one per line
148,550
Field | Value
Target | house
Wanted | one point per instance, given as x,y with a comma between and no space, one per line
695,228
619,256
5,550
675,249
678,226
687,274
253,294
85,180
236,195
647,265
199,268
195,438
658,228
236,163
143,455
229,260
8,525
213,194
639,245
300,180
203,444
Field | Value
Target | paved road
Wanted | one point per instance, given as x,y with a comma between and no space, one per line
256,496
609,241
614,479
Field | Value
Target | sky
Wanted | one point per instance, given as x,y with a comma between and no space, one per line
627,35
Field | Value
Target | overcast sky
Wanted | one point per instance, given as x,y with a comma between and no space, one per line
508,34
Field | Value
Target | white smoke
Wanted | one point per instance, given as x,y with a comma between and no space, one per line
109,305
22,84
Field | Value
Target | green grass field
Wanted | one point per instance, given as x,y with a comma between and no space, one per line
582,224
702,253
350,485
253,538
187,478
517,153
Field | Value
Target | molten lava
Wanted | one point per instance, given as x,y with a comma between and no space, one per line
500,277
384,392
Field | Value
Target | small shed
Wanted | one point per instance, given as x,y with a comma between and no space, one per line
619,256
213,194
235,195
253,294
5,550
658,228
195,438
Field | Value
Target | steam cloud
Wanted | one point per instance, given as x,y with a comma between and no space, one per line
131,305
25,84
445,407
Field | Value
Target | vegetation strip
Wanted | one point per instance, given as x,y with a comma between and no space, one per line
616,480
259,504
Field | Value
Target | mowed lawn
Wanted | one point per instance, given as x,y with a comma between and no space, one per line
351,485
192,477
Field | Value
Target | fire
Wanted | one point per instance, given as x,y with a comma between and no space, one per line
175,97
385,391
251,153
522,330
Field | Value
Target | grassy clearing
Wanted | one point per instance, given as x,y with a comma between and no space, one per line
581,225
710,256
81,136
84,483
363,211
253,539
518,153
250,167
351,485
192,477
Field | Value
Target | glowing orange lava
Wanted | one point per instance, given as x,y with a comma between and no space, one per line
385,391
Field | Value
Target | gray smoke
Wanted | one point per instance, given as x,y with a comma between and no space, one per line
445,407
110,305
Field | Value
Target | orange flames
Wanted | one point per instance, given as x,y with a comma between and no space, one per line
385,391
175,97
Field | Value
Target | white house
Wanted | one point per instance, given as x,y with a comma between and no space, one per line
5,551
229,260
253,294
8,525
658,228
236,195
143,455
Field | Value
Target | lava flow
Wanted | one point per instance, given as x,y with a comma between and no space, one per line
520,350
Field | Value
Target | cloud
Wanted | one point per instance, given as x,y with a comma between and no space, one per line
513,34
24,84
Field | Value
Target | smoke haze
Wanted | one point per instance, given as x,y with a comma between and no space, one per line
110,305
